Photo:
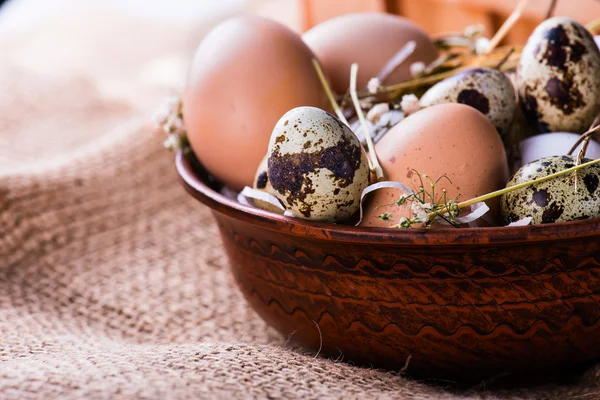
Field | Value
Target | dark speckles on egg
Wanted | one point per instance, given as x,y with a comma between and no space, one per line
556,47
577,51
475,99
552,213
591,182
262,180
540,197
564,95
555,200
280,139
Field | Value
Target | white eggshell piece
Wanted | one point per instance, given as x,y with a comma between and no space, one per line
554,144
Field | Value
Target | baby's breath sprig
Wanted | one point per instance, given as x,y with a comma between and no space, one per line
509,189
424,204
169,118
425,207
386,216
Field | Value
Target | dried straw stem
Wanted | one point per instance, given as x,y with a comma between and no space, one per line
507,25
374,162
336,107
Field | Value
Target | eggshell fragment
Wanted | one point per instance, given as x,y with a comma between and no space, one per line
446,139
370,39
558,77
316,165
554,144
246,73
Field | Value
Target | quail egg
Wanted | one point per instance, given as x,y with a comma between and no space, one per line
316,165
485,89
565,198
558,77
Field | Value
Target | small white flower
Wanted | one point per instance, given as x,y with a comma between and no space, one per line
373,85
377,112
472,31
172,142
417,69
175,124
410,104
390,118
160,117
168,113
420,211
482,44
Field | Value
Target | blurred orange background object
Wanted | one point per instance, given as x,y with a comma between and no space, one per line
438,16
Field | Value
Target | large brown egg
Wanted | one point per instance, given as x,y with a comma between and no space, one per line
446,139
247,72
370,39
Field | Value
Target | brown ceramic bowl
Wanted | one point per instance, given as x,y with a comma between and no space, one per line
461,302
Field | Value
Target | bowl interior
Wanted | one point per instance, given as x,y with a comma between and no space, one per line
198,182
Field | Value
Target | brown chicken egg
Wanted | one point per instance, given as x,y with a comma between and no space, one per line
446,139
246,73
371,40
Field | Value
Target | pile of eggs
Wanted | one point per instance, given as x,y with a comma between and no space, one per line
257,115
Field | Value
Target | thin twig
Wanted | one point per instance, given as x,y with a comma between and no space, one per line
592,26
329,92
375,167
467,62
509,189
507,25
505,58
320,339
289,338
397,60
405,368
551,8
591,132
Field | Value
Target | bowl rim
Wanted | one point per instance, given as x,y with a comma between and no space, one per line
562,231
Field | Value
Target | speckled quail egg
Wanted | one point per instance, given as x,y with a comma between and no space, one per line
262,183
558,77
555,200
316,165
485,89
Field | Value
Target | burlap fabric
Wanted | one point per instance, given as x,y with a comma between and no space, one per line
113,283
